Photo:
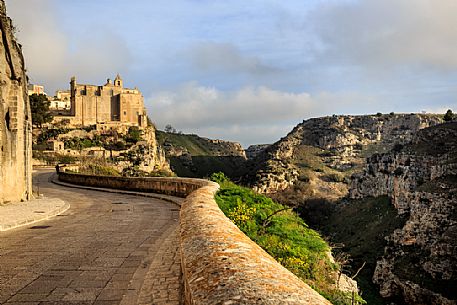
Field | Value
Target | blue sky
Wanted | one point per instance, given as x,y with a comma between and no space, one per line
249,71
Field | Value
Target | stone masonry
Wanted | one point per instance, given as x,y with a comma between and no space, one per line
15,118
110,104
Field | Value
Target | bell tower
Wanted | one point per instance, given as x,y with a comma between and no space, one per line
118,82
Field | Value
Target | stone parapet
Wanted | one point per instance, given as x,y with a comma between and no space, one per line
220,264
179,187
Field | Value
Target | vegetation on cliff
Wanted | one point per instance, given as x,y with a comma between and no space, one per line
357,229
198,157
284,235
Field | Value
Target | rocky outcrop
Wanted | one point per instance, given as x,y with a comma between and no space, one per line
419,264
15,118
343,142
253,150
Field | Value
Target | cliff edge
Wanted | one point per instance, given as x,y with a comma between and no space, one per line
418,265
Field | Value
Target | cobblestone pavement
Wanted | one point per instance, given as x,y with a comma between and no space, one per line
100,251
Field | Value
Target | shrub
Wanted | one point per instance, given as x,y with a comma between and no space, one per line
133,135
335,177
99,170
449,116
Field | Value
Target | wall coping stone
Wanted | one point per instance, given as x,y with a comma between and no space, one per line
220,264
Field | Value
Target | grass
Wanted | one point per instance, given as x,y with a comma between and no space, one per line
283,234
195,145
360,226
206,157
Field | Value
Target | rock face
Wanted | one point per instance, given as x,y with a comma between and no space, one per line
15,118
419,264
253,150
342,143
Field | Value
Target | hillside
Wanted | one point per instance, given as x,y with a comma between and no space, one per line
420,179
194,156
316,167
317,158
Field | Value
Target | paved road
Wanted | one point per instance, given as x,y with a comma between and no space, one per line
106,249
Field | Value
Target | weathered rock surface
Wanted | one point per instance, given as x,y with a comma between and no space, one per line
419,264
344,142
15,118
253,150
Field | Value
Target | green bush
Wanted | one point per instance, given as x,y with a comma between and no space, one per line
449,116
98,170
134,135
282,233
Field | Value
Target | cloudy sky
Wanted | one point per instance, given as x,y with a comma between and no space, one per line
250,70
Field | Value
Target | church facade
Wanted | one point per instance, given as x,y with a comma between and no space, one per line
110,104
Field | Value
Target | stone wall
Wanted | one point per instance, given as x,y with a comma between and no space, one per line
15,118
220,264
169,186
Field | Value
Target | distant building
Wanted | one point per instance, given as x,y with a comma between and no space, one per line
108,104
56,104
63,95
35,89
55,145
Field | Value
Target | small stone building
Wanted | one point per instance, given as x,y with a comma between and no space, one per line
15,118
55,146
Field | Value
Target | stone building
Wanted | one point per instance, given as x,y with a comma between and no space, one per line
106,104
35,89
15,118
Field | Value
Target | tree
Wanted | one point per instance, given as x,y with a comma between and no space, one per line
449,116
134,135
170,129
39,106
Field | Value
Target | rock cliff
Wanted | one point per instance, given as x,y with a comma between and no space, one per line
323,151
15,118
253,150
418,266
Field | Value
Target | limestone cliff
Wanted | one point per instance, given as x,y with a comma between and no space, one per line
418,266
321,152
15,118
253,150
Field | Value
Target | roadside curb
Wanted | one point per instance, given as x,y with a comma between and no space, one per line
171,199
37,217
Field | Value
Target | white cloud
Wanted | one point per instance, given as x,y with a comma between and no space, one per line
389,33
249,115
224,57
52,56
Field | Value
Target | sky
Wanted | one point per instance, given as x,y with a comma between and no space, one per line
248,71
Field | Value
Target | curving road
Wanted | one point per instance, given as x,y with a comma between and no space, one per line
106,249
